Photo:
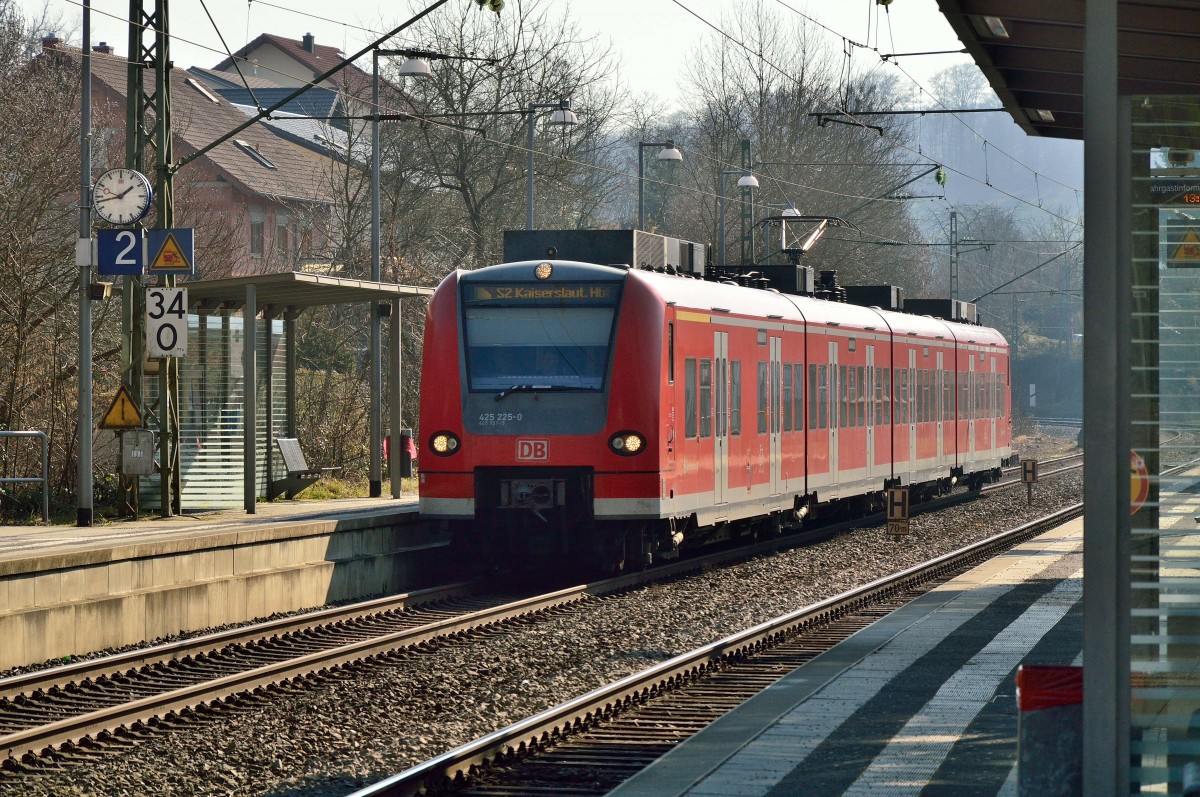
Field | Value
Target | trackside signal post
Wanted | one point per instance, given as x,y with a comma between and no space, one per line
1029,475
897,512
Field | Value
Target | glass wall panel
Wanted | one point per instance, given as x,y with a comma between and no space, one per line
210,413
1165,415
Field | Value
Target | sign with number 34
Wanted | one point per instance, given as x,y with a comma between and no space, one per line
166,322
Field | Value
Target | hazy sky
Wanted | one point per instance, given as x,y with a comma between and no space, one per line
653,38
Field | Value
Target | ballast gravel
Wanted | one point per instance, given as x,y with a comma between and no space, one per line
358,728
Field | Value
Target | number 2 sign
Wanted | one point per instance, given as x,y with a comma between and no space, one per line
119,252
166,322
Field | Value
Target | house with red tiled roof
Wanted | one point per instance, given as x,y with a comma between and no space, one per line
291,62
258,203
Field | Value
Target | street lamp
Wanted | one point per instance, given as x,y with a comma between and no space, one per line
668,154
747,181
563,116
413,66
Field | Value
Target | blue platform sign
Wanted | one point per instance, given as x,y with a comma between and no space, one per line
119,252
171,251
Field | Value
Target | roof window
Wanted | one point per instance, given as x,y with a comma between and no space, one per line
252,151
200,87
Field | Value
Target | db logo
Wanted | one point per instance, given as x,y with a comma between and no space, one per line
536,450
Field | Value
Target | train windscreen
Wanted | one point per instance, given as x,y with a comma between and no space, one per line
553,337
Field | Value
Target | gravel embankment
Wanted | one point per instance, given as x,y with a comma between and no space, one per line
334,738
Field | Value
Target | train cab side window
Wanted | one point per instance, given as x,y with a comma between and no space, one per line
671,352
706,398
689,397
787,398
762,398
735,397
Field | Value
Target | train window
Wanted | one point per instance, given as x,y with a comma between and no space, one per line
773,408
887,396
735,397
823,396
843,394
851,343
787,398
877,394
762,337
762,398
902,397
926,395
671,352
798,397
689,397
721,385
862,398
846,391
512,340
706,398
812,396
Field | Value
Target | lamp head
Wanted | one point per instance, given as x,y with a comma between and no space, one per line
670,154
563,116
747,181
415,67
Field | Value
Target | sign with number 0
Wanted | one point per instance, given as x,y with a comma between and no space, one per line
166,322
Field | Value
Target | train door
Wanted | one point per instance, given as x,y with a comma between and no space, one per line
835,393
776,412
867,390
721,411
939,403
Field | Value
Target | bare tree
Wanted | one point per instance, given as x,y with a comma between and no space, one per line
761,83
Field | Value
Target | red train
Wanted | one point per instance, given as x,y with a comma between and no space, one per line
606,415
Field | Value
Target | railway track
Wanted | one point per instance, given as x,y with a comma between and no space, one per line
593,743
69,714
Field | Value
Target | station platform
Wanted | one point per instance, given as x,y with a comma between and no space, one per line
66,590
921,702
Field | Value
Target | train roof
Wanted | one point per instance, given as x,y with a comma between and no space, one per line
707,296
739,300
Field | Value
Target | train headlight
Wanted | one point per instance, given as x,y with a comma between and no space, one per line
543,271
443,444
627,444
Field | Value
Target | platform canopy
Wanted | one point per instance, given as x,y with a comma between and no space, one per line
1031,51
288,294
293,289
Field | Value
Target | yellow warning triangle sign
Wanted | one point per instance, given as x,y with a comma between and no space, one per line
170,256
122,413
1188,248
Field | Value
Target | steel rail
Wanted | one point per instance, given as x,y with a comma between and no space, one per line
74,729
122,662
554,722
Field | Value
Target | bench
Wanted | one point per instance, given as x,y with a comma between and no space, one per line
299,474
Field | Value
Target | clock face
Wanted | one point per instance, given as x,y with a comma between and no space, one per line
122,196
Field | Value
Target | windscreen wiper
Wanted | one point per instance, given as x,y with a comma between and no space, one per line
521,389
